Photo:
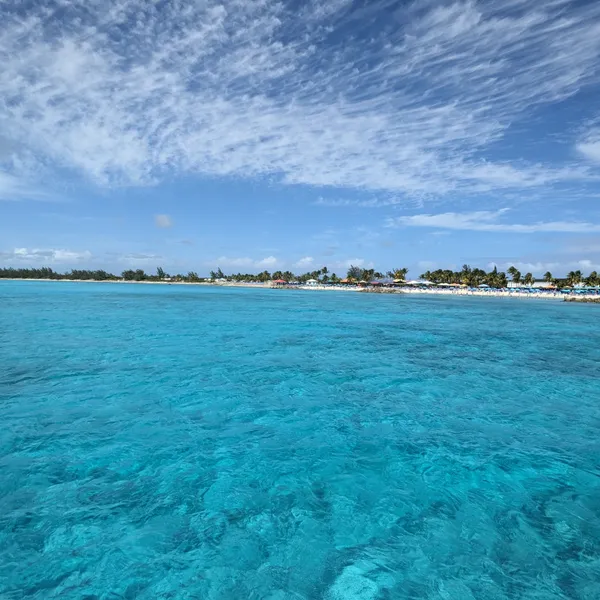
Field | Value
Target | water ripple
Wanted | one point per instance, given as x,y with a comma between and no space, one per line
179,443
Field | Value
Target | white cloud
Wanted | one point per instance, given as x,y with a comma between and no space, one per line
484,220
369,203
140,259
589,146
127,92
244,263
15,188
163,221
306,261
46,256
557,268
270,261
356,262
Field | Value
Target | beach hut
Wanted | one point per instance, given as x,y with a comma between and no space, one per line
279,281
312,282
418,282
386,281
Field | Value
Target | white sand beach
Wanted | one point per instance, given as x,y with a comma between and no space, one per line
434,291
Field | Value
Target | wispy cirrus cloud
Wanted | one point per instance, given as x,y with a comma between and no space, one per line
244,262
31,256
589,145
139,259
16,188
126,92
485,220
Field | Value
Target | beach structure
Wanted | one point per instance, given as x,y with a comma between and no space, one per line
418,282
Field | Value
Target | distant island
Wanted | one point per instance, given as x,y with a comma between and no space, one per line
467,277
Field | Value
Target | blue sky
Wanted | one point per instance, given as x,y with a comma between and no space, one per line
252,135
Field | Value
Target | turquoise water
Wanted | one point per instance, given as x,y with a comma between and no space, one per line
191,443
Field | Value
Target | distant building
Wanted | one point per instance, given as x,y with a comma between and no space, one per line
539,285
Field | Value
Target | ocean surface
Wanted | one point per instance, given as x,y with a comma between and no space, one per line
172,442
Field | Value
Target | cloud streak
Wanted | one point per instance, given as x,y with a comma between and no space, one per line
589,146
489,221
125,92
45,256
244,262
14,188
163,221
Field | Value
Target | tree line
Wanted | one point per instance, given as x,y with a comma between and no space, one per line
474,277
468,275
48,273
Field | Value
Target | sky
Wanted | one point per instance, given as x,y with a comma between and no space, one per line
195,134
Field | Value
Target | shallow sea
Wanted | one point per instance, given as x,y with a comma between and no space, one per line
180,442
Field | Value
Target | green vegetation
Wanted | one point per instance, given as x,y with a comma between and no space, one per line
573,278
593,279
472,277
469,276
47,273
97,275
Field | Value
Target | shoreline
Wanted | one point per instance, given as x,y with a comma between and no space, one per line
120,281
583,298
454,292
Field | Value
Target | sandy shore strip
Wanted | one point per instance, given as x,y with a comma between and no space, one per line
488,293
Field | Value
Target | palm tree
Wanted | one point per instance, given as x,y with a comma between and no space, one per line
354,273
592,279
529,279
466,275
495,279
516,275
548,277
478,277
368,274
400,273
573,278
